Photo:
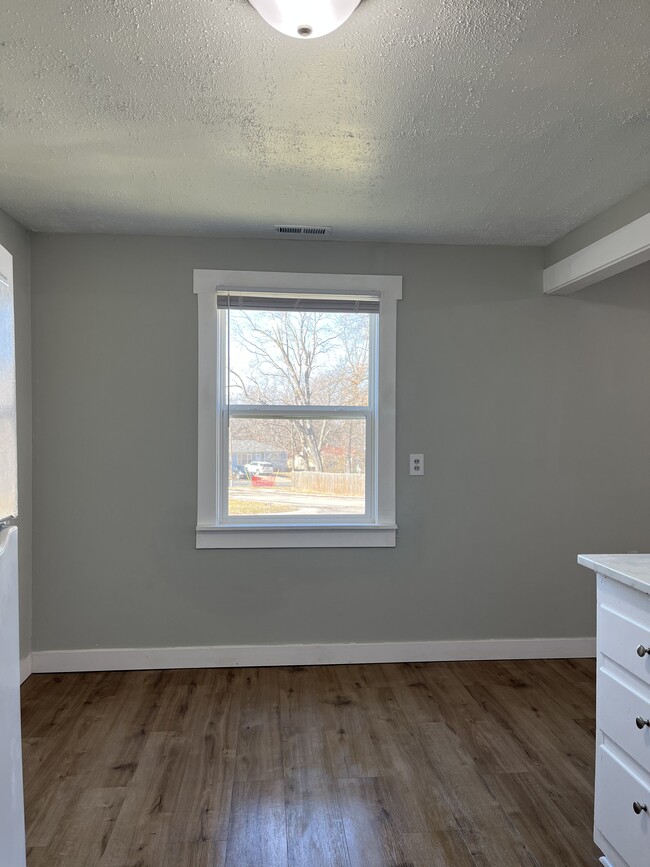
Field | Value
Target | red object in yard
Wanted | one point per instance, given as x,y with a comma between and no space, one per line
262,482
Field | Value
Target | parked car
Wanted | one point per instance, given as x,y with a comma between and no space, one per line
239,472
259,468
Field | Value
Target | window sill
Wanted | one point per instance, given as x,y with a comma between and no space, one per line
331,536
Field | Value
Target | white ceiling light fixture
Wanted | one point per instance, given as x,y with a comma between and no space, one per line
305,19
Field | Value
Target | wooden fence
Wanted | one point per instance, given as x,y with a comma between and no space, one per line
336,484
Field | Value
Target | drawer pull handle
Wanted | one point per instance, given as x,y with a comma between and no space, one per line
641,723
639,808
641,650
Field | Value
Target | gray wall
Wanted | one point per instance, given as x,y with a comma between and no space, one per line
533,414
623,212
16,239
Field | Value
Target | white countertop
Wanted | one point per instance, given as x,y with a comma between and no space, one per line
630,569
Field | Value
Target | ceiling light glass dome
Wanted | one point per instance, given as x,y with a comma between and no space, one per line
305,19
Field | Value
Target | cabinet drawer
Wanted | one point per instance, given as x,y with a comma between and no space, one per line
619,706
617,789
619,638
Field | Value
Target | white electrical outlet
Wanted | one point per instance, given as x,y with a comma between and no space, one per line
417,465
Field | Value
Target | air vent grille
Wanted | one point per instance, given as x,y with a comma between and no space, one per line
303,231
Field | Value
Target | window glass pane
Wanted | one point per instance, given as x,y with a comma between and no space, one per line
297,467
298,358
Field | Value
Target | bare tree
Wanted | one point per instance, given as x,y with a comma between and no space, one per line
302,359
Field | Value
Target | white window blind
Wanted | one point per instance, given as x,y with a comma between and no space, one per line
235,299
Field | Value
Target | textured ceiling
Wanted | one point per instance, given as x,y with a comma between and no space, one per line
463,121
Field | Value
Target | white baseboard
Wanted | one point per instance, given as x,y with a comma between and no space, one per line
25,667
127,659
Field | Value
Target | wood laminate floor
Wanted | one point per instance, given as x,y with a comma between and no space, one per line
416,765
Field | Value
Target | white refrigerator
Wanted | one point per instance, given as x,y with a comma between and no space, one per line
12,821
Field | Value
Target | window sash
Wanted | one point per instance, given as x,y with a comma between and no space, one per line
246,410
226,411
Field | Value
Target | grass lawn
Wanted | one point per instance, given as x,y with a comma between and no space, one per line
250,507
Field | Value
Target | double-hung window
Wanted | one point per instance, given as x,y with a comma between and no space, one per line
296,409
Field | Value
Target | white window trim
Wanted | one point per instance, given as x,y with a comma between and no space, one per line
378,533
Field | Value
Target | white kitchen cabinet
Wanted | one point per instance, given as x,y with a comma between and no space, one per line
622,795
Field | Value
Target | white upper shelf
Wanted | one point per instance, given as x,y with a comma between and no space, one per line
623,249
